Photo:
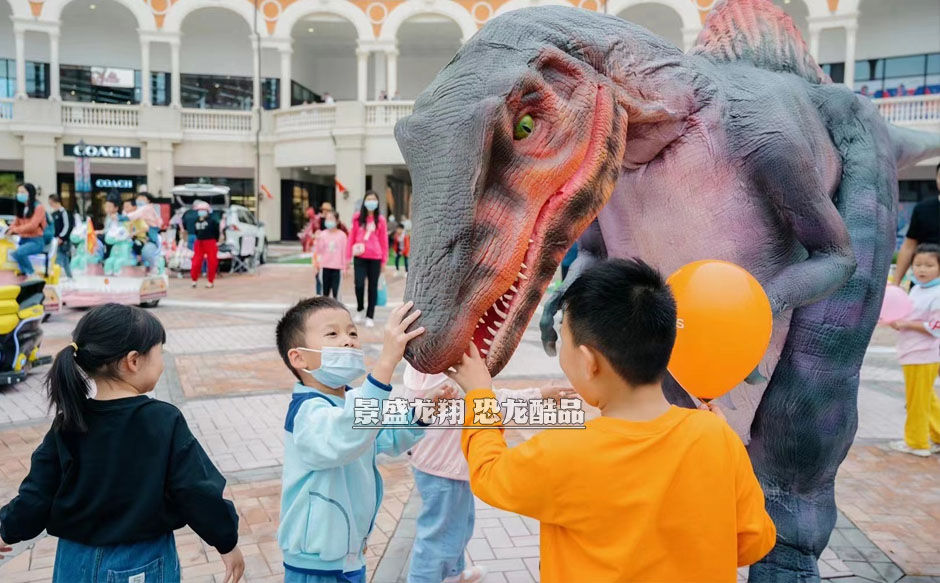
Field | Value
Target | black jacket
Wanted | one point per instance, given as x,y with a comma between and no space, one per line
136,474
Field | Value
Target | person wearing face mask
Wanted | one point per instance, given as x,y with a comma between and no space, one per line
329,252
330,478
29,224
367,247
208,232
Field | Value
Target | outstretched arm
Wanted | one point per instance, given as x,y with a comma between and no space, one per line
785,169
591,249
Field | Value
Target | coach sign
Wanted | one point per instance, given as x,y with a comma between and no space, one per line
100,151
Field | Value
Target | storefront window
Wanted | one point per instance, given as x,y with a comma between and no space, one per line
77,85
92,204
37,79
225,92
8,182
905,76
300,95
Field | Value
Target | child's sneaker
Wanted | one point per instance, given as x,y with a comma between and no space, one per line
370,323
194,284
360,317
469,575
934,447
903,447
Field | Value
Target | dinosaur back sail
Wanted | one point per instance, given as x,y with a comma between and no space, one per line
760,33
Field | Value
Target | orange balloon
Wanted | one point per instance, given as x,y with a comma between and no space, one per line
723,329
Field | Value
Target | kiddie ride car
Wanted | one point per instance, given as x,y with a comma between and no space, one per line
118,276
44,267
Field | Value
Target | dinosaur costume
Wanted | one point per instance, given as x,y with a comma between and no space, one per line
553,123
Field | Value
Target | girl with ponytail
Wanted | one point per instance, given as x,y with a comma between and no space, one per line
118,471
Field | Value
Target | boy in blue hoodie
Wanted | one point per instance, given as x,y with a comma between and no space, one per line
331,489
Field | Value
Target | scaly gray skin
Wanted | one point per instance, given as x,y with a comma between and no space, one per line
732,152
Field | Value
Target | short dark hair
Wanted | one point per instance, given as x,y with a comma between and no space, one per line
928,249
624,310
145,194
290,329
55,198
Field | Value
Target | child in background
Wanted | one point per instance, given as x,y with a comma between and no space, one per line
331,488
118,472
919,355
329,252
445,522
402,246
645,492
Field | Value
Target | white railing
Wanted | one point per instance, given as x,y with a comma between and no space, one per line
306,118
100,115
216,121
381,114
910,110
6,109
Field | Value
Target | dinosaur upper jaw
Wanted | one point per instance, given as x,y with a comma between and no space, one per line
498,323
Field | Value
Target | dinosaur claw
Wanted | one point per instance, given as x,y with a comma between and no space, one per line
549,348
755,378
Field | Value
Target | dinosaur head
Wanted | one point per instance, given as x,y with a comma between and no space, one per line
513,150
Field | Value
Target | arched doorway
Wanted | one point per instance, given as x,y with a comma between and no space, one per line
425,43
324,59
658,18
96,71
216,62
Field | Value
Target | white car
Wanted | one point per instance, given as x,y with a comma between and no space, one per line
244,233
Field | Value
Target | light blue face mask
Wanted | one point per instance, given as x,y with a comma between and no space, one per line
371,205
330,224
931,283
339,365
22,197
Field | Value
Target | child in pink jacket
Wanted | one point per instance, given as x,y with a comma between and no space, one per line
329,254
445,522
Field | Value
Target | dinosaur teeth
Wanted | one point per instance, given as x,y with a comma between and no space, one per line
499,313
491,331
522,276
487,341
524,266
513,289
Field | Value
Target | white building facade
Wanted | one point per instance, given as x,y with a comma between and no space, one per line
282,100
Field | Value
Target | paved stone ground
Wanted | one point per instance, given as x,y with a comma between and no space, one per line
223,372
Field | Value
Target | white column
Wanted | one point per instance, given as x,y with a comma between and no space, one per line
285,77
176,101
255,76
814,33
20,36
391,61
55,93
362,73
380,71
145,98
850,31
689,36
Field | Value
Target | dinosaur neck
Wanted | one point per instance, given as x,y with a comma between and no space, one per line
660,94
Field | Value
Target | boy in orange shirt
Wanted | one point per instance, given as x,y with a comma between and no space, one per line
647,492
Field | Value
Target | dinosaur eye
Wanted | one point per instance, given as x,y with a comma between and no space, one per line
524,127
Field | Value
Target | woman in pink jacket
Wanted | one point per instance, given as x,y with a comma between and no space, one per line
368,247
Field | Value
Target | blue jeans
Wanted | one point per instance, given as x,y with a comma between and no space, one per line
28,246
63,256
444,527
350,577
150,561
